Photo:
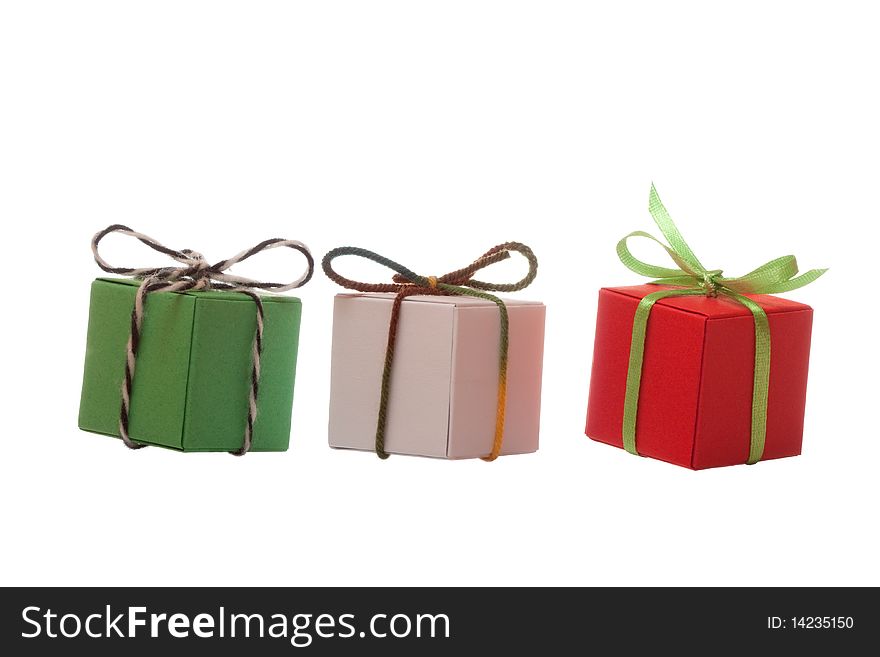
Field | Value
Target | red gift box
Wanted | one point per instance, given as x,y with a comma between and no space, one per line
695,400
698,368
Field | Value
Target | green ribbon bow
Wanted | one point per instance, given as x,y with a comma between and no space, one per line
692,278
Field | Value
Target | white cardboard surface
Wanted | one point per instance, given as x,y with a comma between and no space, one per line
444,380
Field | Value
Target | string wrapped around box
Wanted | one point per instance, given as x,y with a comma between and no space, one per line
195,273
406,282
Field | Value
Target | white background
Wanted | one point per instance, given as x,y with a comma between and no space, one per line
430,132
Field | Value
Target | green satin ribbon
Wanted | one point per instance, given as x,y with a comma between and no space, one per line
692,278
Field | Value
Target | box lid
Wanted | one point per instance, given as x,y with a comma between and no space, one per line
265,297
712,307
449,300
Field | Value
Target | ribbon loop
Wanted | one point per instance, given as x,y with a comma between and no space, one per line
775,276
461,277
196,267
195,273
406,282
778,275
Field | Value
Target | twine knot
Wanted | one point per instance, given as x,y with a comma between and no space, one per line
195,273
201,274
195,269
460,282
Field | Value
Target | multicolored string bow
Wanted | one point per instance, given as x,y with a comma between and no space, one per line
195,274
692,278
461,283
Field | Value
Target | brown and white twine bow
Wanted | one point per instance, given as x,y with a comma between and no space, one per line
195,273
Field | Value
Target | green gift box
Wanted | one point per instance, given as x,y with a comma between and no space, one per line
194,367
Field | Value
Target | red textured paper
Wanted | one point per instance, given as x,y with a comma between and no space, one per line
696,393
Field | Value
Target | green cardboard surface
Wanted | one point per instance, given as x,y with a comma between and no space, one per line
193,368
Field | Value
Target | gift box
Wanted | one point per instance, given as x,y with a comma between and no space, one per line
695,401
193,368
698,369
436,366
443,397
191,358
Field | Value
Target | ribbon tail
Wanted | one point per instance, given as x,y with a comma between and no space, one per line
670,231
793,284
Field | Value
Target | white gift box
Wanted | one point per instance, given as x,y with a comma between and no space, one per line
444,377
